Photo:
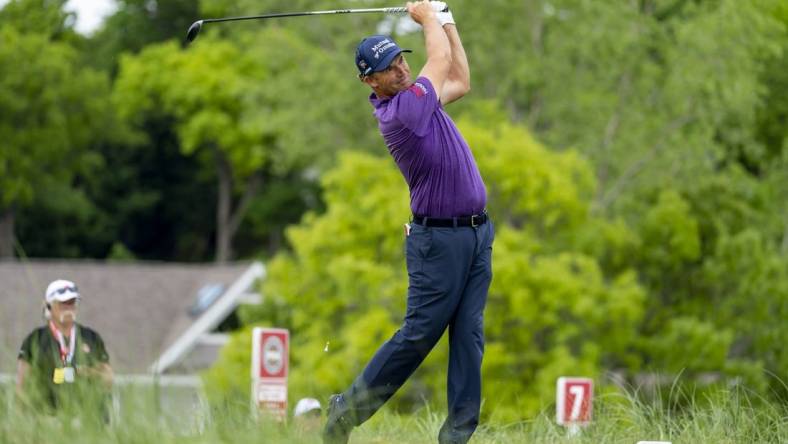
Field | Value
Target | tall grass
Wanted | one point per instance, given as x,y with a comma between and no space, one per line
138,417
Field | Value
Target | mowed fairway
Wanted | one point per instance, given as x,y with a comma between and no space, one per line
728,418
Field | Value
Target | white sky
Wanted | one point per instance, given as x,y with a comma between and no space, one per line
90,13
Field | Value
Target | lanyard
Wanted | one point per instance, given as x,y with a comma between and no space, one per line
66,353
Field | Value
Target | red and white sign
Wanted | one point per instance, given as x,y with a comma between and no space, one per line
270,362
271,399
574,397
270,348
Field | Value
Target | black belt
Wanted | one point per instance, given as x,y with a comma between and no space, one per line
460,221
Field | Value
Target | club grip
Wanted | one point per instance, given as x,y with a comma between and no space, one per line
399,9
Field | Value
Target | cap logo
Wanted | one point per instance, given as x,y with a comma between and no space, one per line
377,45
383,49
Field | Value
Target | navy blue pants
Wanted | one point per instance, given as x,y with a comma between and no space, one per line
449,273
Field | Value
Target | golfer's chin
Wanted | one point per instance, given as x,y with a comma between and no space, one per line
403,85
395,88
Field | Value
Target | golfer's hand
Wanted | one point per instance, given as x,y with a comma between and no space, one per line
421,12
443,13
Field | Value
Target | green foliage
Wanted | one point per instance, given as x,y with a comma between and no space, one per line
70,208
120,253
231,101
48,124
203,94
551,310
229,385
648,92
47,120
670,238
342,272
531,186
136,24
572,293
41,17
747,284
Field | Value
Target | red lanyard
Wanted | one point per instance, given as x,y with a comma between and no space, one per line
66,353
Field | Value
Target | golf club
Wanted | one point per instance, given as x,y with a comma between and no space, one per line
195,28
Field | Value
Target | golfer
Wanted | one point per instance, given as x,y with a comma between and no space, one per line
62,362
449,240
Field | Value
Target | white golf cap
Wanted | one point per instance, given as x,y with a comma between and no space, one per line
61,290
306,405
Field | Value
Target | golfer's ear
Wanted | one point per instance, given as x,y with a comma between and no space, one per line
369,80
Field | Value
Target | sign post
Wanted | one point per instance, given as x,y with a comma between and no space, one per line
574,398
270,362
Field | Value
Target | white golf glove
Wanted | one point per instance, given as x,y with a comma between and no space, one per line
443,17
438,6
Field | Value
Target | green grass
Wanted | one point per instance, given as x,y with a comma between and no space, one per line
724,417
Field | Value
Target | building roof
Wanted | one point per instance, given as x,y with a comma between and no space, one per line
142,310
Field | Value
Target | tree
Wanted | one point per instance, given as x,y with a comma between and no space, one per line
43,17
572,292
136,24
631,85
679,107
772,132
250,111
551,307
48,120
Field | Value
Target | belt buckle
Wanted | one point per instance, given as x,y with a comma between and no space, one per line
473,223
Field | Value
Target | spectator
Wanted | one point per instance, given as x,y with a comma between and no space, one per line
307,414
63,363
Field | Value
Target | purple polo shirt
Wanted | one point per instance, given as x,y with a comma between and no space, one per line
435,160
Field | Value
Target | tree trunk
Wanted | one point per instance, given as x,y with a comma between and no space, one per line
7,233
225,183
228,220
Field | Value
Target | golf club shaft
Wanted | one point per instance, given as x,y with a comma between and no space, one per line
296,14
194,29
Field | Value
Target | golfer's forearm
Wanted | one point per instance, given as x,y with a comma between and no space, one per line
437,43
459,71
